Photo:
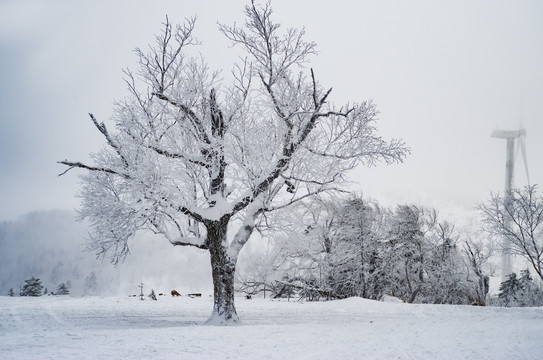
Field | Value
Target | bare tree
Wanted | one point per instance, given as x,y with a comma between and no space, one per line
201,162
477,254
519,219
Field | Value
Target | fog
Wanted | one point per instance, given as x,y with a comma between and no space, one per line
443,75
50,245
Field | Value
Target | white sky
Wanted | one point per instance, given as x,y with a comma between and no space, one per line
444,75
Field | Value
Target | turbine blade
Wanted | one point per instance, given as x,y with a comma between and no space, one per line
523,148
518,145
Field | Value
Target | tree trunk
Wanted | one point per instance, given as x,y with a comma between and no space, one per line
223,269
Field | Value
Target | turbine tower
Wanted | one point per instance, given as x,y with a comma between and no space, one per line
510,136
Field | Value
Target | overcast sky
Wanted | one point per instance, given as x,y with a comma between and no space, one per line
444,75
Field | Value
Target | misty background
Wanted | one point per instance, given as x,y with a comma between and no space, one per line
443,75
50,245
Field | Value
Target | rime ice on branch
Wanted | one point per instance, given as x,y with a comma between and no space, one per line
201,162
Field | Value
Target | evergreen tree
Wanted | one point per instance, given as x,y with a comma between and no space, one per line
62,289
509,290
530,293
520,291
32,287
11,292
525,278
354,250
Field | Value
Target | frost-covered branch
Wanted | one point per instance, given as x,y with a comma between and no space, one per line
186,157
518,218
77,164
102,128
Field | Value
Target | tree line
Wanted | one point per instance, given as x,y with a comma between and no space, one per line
33,287
357,247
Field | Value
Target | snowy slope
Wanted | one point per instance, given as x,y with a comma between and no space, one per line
115,328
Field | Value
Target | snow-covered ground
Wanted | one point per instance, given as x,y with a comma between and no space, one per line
172,328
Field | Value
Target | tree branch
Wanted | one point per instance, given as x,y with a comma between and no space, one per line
192,116
276,106
91,168
179,156
102,128
182,243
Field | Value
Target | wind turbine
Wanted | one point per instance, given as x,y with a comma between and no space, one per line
510,136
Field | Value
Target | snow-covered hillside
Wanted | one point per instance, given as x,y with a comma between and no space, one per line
173,328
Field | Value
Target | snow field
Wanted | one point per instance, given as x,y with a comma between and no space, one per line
173,328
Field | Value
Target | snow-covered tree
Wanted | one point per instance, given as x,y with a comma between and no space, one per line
509,289
518,218
259,274
32,287
301,252
515,291
90,283
340,249
408,259
57,272
477,255
11,292
62,289
531,294
447,278
356,247
203,162
354,253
